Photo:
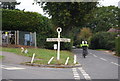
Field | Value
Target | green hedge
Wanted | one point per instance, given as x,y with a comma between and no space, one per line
117,42
103,40
28,21
32,22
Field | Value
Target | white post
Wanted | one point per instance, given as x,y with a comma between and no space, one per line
75,59
67,61
58,52
50,60
22,49
33,58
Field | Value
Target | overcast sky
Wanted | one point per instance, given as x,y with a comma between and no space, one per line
27,5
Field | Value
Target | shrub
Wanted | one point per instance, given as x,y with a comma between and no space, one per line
117,42
32,22
103,40
84,34
28,21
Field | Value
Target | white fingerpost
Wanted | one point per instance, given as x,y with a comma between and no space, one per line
75,59
58,52
50,60
67,61
33,58
58,40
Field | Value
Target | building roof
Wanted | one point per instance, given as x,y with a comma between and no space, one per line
114,30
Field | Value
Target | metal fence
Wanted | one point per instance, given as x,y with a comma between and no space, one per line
19,38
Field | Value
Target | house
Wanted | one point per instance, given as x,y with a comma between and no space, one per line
114,30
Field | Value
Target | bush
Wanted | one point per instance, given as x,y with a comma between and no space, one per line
117,42
32,22
103,40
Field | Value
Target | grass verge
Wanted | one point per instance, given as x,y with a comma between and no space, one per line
44,55
1,57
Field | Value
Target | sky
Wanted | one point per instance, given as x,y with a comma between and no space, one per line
27,5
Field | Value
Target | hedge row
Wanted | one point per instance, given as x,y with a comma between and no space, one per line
117,46
32,22
103,40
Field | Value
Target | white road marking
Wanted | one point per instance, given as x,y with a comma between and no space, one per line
90,53
75,73
11,68
86,76
95,55
115,63
103,59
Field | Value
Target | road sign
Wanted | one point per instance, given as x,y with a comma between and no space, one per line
58,40
55,46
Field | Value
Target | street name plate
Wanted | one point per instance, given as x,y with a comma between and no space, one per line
58,39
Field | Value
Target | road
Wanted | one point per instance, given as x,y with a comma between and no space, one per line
97,66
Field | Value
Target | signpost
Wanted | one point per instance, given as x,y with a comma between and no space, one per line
55,46
58,40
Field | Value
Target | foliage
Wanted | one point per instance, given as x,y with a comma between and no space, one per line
33,22
117,43
8,5
68,15
28,21
25,21
103,18
103,40
84,34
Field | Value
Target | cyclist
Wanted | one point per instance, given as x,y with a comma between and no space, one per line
84,46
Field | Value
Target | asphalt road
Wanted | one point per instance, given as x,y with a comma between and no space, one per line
97,66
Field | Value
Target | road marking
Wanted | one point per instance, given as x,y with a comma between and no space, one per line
90,53
95,55
115,63
75,73
86,76
11,68
103,59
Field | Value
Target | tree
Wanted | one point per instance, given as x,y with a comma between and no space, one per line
9,5
103,18
68,15
85,33
103,40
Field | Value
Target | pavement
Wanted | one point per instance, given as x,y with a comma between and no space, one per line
97,66
12,58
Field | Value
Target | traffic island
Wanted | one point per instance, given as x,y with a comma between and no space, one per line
45,57
53,66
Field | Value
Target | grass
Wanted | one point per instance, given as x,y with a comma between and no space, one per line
43,55
1,56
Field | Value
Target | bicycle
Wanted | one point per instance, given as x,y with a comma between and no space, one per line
85,51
